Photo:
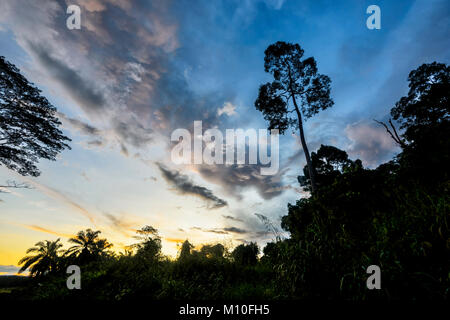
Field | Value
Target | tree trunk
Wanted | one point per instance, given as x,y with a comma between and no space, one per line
305,147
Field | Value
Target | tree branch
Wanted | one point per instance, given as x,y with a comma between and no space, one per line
393,135
15,185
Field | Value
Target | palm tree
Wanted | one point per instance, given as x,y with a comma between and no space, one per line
88,246
45,260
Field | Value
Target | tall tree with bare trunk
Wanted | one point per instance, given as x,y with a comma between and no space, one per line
297,88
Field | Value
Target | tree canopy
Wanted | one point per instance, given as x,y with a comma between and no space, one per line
88,246
424,116
29,128
44,260
297,88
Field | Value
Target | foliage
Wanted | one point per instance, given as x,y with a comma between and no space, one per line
150,245
45,258
395,216
424,114
294,80
88,246
246,254
29,129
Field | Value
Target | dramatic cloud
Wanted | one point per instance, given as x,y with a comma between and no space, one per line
108,68
81,90
184,185
120,70
235,178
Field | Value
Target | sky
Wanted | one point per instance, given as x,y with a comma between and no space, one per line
138,70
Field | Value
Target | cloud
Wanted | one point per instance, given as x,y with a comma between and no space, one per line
79,125
45,230
235,230
57,195
78,88
234,178
95,143
108,68
184,185
132,132
217,231
228,108
127,132
370,142
226,230
120,224
174,240
232,218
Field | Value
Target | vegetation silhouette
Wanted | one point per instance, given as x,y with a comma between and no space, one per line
29,128
45,259
87,247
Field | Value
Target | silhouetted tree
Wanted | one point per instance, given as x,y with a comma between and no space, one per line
296,81
88,246
46,258
29,129
424,115
150,242
328,163
213,251
246,254
428,101
185,250
270,253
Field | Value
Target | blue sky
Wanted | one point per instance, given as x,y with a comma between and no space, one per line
137,70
